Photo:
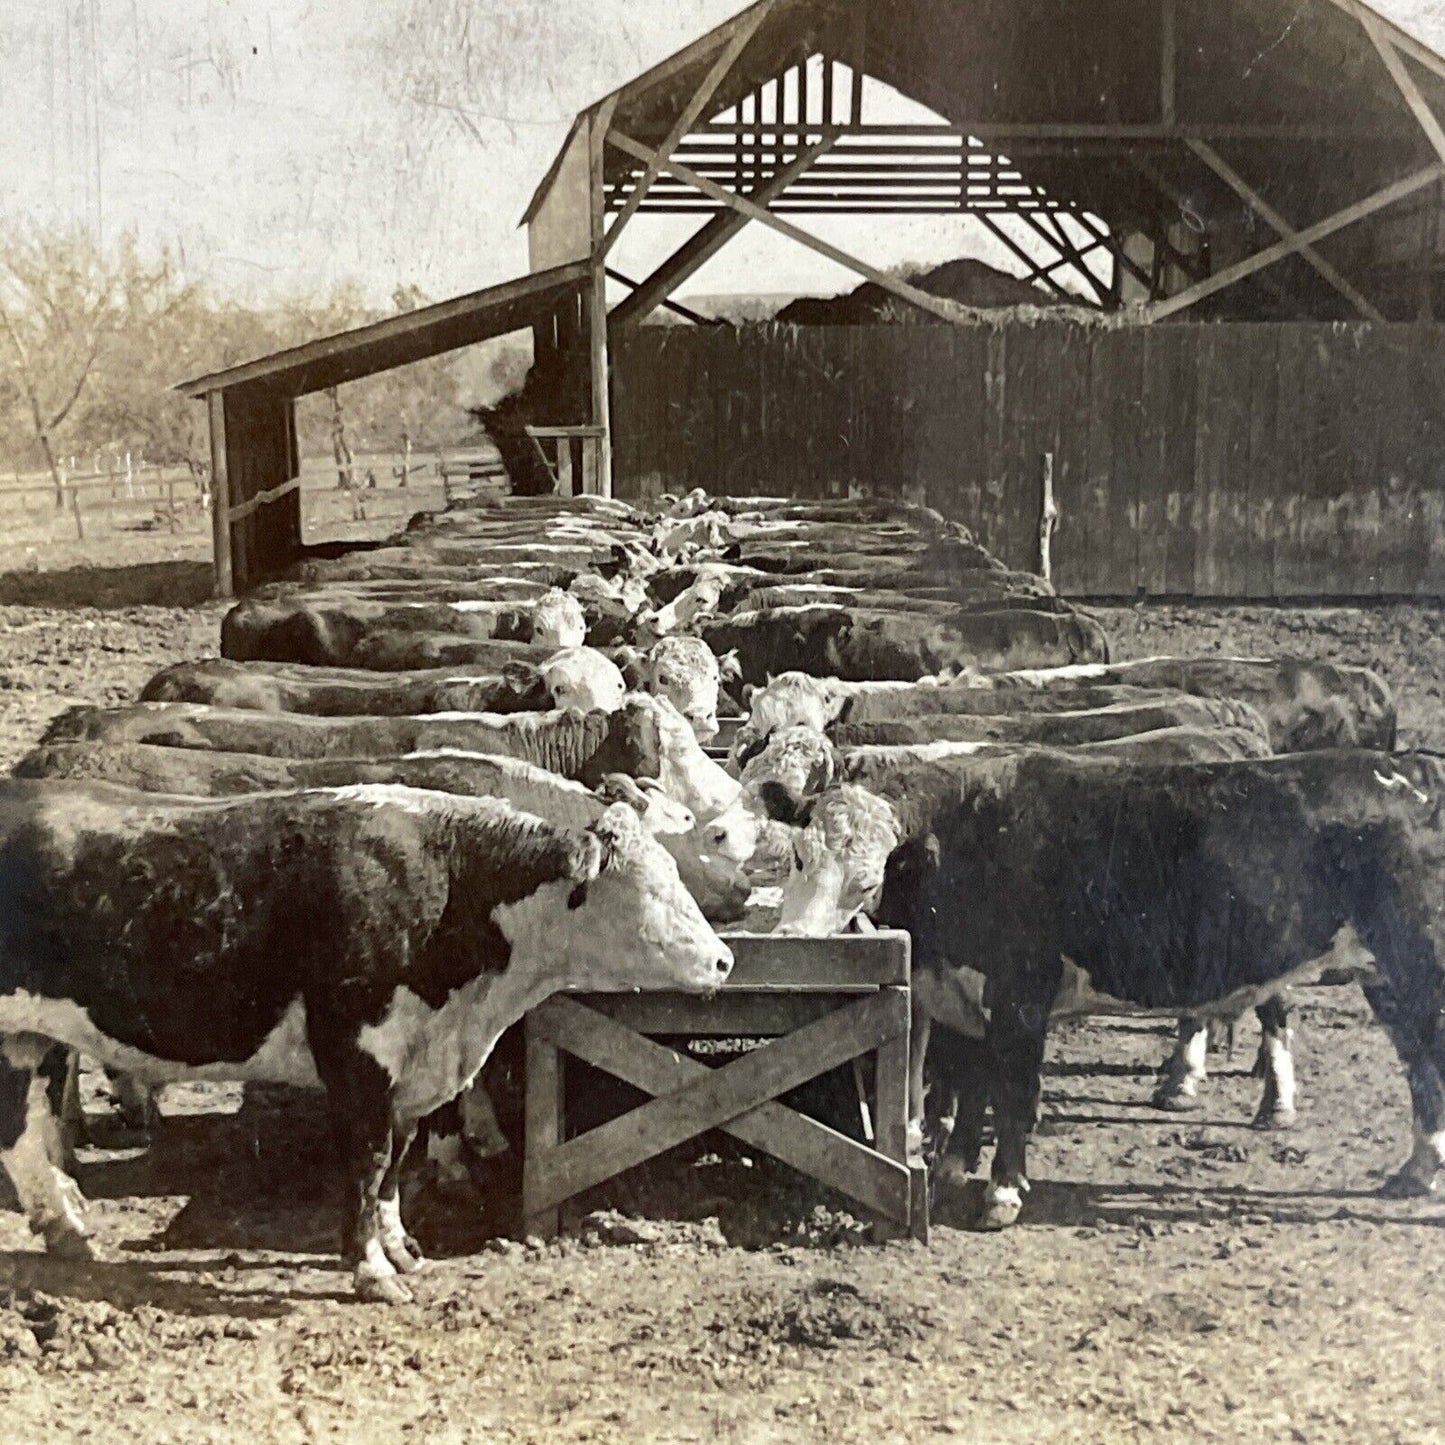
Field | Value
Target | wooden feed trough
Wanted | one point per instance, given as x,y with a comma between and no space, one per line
820,1002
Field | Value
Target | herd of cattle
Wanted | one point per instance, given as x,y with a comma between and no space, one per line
429,783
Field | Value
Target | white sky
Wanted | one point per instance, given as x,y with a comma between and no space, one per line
284,145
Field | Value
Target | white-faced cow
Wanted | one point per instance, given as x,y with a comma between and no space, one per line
579,677
372,941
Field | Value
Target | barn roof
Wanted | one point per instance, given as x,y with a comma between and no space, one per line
1293,91
399,340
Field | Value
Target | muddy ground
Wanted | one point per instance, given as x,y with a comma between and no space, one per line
1176,1277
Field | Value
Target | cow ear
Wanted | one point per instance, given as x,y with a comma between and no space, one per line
619,788
730,670
520,675
745,693
585,861
616,828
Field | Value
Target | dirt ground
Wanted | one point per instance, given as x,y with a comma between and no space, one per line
1176,1277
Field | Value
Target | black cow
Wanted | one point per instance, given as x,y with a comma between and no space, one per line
1182,890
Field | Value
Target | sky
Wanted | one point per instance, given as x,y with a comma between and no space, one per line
284,146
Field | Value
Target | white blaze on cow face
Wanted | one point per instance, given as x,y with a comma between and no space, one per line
660,814
685,671
838,865
558,620
687,773
792,699
796,764
584,678
690,606
632,926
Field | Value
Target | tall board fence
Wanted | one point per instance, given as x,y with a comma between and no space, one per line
1229,460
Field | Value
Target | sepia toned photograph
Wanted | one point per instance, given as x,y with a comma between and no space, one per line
722,723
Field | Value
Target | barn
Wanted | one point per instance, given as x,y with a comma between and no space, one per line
1218,366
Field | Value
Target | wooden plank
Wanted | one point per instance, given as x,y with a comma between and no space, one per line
694,253
741,204
1293,421
1096,512
727,1015
1128,357
844,962
1349,216
1151,484
714,1098
1263,458
1366,416
1423,420
1395,64
543,1123
812,1148
1071,462
1180,378
220,495
1272,217
702,97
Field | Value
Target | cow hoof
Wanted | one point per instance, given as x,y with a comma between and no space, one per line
1274,1119
382,1289
1406,1185
1173,1102
67,1244
951,1172
1001,1208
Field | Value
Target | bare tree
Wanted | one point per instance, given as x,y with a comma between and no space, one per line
60,302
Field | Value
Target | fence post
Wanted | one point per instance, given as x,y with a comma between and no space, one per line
1048,521
75,508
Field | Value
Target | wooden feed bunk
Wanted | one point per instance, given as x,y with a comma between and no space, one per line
820,1002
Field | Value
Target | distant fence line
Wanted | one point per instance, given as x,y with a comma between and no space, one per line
1241,460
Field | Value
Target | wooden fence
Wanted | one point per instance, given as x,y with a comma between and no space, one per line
1246,460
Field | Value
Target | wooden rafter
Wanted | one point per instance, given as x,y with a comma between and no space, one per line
694,253
1405,82
1394,36
1067,251
1035,269
1378,201
722,67
676,307
922,299
1247,193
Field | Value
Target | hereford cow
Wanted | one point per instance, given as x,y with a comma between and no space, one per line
330,629
577,677
1307,705
374,942
1191,889
857,645
645,738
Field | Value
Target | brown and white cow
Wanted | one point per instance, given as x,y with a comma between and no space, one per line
372,941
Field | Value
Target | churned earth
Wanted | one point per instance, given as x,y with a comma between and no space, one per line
1175,1278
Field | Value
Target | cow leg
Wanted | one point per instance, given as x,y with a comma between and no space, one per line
1016,1064
920,1030
61,1068
398,1246
358,1091
135,1100
1414,1028
31,1152
960,1077
1184,1070
1277,1107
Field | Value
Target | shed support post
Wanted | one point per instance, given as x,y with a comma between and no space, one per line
220,495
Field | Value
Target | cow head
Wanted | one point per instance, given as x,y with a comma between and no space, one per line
558,620
583,678
685,672
623,919
661,816
792,767
840,855
790,699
